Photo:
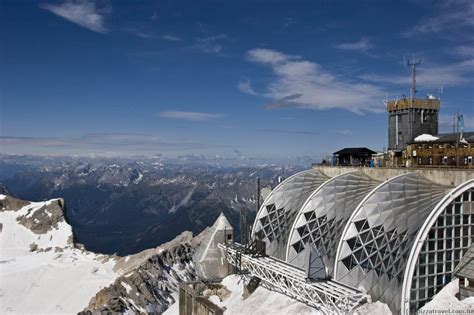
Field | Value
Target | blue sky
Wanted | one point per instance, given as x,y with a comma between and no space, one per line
251,78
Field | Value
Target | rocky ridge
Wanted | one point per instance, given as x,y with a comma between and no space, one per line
149,281
39,258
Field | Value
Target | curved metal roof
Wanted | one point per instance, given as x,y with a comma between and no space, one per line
422,235
322,218
374,247
275,217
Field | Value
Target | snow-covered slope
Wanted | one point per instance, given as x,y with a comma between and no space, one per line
40,269
264,301
43,271
447,301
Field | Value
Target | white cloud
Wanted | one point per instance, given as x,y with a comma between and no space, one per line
144,35
304,84
463,51
102,144
362,45
268,56
246,87
172,38
167,37
81,12
210,44
454,15
194,116
431,76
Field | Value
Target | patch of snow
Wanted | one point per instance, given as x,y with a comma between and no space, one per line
139,178
183,202
16,238
181,272
137,307
261,301
214,299
127,287
47,281
264,301
446,300
376,308
2,197
425,137
174,308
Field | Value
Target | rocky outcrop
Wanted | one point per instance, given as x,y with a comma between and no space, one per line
150,279
45,218
8,203
38,220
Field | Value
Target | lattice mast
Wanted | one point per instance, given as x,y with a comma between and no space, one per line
413,65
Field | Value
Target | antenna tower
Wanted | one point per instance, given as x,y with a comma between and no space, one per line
413,63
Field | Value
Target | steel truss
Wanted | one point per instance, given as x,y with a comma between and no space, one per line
329,297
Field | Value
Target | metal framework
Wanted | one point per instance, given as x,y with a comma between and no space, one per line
330,297
441,243
376,242
277,213
324,215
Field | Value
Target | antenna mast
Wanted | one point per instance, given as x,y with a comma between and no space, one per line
413,65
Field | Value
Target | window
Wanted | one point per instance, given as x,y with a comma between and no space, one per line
443,248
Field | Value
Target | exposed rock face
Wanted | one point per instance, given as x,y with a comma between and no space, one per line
218,290
39,221
11,204
45,218
150,279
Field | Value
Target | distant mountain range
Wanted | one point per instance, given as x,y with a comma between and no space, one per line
127,205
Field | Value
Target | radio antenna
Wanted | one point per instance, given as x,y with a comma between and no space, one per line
413,63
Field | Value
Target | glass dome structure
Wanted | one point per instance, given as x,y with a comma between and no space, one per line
399,238
324,215
277,213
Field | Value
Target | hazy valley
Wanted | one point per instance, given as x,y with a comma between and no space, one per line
127,205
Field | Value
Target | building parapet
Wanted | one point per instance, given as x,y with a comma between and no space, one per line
413,103
446,177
